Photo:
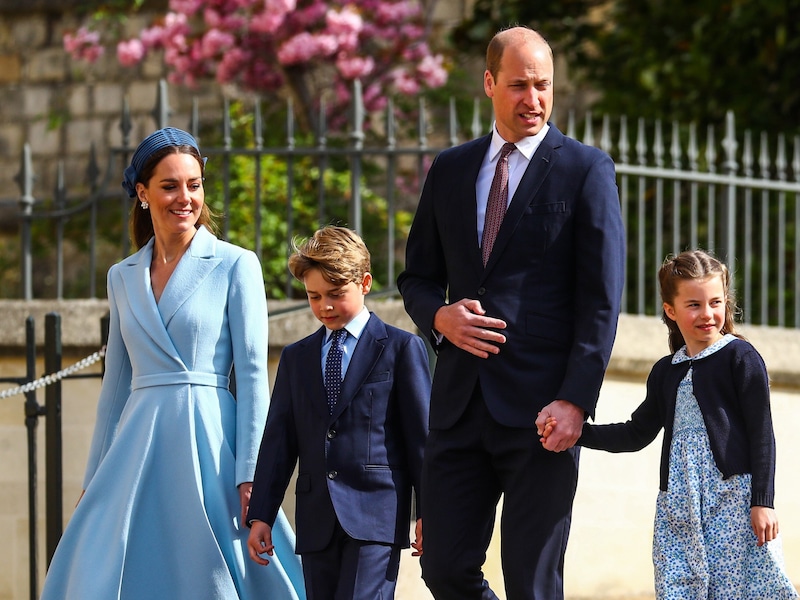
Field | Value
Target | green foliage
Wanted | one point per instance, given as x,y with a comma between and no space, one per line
693,60
267,175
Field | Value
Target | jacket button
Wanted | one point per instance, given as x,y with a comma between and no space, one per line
481,291
331,434
332,474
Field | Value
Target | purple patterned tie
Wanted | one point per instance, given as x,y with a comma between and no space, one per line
333,368
497,202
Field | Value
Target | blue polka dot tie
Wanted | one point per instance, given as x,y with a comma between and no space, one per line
333,368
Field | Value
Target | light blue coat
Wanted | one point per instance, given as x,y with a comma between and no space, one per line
160,516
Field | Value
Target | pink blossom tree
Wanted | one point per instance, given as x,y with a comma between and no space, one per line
310,47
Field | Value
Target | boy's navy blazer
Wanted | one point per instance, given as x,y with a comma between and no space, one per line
359,464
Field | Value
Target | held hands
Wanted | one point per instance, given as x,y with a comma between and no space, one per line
260,542
417,543
765,524
465,325
568,417
245,491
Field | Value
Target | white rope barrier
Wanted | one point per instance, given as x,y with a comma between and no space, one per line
53,377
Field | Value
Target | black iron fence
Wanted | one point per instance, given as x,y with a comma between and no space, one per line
737,194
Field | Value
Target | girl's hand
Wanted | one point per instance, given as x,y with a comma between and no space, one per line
544,429
765,524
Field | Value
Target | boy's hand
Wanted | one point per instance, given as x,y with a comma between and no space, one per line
765,524
260,542
245,491
417,543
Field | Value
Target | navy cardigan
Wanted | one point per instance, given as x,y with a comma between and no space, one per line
732,389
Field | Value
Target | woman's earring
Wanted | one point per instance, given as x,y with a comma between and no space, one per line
145,205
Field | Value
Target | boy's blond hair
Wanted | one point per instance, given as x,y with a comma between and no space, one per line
338,252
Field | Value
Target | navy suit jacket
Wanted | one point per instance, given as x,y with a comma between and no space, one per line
555,276
359,465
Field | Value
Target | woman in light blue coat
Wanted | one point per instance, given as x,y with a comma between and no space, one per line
173,454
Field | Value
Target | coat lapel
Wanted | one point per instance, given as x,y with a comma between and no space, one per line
368,350
539,167
195,265
135,274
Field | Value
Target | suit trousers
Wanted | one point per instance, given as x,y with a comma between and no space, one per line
350,569
466,470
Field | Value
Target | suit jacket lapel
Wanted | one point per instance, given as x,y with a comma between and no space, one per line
465,188
367,352
538,169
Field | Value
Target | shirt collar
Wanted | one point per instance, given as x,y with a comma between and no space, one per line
355,327
526,146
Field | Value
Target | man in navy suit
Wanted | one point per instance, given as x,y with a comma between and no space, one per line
529,330
360,441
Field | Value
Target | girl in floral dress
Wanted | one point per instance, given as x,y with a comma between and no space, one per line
716,532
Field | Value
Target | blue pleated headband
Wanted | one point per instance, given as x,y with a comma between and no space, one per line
169,136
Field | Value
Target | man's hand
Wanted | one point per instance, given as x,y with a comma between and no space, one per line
465,326
260,541
569,417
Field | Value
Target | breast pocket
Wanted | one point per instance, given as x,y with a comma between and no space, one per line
541,224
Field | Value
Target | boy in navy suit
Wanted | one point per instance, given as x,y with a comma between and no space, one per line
351,403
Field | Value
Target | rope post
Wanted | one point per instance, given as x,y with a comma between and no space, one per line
31,423
54,472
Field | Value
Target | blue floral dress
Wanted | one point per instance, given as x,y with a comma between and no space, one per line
703,545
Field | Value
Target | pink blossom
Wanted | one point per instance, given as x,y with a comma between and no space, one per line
152,37
404,82
216,42
354,67
84,45
130,52
432,72
186,7
346,21
266,22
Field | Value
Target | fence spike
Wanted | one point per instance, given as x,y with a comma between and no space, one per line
641,142
571,124
693,153
93,169
357,134
729,144
764,160
675,146
258,126
624,144
711,150
226,124
658,145
322,130
780,158
162,111
605,134
796,161
194,119
588,133
476,119
290,141
126,123
391,140
747,154
453,122
422,125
